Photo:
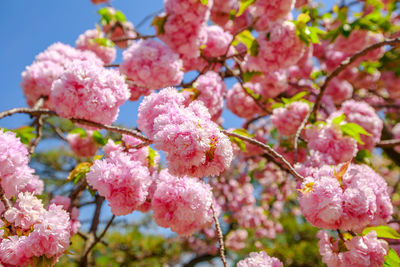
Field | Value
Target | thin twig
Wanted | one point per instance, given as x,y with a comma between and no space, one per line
345,63
220,236
110,128
269,150
39,131
97,239
3,199
85,237
139,37
297,136
111,66
148,17
389,143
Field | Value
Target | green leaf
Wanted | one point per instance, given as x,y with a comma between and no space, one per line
243,132
248,75
243,5
159,23
354,130
105,16
337,120
278,105
239,142
102,41
298,96
119,16
382,231
79,131
392,259
251,92
79,172
317,74
98,138
24,133
363,156
204,2
151,156
42,261
245,37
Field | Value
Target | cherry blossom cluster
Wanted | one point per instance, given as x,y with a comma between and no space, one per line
359,251
184,29
150,65
350,198
16,175
194,144
31,231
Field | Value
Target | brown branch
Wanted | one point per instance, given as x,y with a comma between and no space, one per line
297,136
345,63
220,235
139,37
3,199
110,128
39,131
97,239
86,237
269,150
111,66
389,143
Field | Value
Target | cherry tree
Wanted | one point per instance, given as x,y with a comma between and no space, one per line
310,177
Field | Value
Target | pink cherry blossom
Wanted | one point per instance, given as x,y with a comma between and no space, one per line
182,204
278,48
88,41
149,64
27,211
331,145
16,175
88,91
236,240
192,11
182,37
211,89
364,115
65,202
156,104
240,103
48,66
392,84
270,11
339,90
360,251
357,199
121,180
83,146
260,259
288,119
194,144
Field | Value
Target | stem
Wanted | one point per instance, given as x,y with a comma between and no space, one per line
220,236
110,128
3,199
345,63
389,143
39,131
298,132
270,151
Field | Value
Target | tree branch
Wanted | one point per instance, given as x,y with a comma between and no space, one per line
38,112
220,236
389,143
345,63
269,150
